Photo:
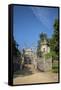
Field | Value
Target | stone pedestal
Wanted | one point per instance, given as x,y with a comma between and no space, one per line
44,64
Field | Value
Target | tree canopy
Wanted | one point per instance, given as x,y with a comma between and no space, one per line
15,50
43,36
54,41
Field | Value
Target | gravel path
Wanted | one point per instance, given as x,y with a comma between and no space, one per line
38,77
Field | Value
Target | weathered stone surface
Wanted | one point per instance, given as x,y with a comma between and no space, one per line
44,65
37,63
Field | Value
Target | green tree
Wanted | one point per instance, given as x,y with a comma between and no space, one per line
43,36
15,50
54,42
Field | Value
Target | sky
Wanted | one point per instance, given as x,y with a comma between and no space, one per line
29,22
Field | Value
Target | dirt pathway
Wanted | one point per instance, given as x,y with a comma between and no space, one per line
39,77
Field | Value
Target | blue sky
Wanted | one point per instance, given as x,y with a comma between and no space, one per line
29,22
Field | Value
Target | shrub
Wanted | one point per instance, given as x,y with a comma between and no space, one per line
54,55
55,67
48,55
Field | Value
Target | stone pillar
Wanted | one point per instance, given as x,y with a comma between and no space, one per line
44,64
22,62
